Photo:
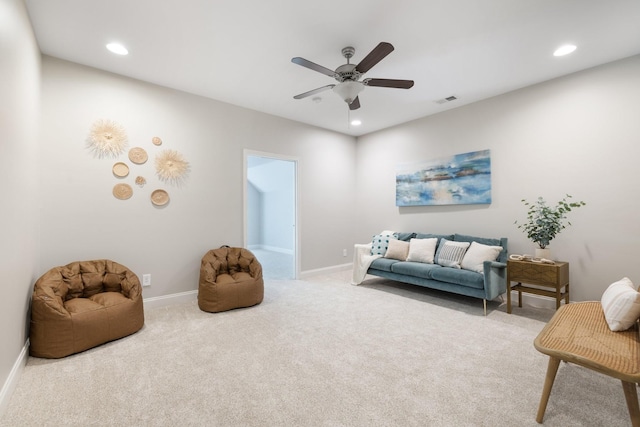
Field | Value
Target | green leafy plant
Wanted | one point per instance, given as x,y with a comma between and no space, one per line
544,222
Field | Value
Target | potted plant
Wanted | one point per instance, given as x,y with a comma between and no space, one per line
545,222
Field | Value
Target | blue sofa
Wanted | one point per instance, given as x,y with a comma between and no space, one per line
487,286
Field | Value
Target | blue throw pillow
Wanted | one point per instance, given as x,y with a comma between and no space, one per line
380,244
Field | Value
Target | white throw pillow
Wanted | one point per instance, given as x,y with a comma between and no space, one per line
422,250
477,254
621,304
398,249
450,253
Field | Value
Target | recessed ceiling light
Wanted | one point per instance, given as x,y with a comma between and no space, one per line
356,122
564,50
117,48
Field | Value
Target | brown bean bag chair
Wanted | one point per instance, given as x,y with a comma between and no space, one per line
229,278
81,305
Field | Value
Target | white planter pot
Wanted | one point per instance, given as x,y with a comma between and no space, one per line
543,253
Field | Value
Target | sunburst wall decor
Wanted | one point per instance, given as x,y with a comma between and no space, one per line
171,166
107,138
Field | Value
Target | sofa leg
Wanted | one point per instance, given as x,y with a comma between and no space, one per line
484,302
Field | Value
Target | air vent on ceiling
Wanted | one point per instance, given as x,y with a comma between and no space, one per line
445,100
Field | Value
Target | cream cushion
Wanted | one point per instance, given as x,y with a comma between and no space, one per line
621,304
422,250
398,249
477,254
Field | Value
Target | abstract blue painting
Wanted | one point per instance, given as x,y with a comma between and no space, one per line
462,179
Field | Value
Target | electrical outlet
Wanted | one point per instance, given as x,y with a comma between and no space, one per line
146,280
344,252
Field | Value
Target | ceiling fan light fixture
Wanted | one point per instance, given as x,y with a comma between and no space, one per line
348,90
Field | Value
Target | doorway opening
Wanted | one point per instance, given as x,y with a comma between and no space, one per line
270,223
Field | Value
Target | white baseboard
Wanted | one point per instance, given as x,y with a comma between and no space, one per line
532,300
12,381
165,300
271,248
325,270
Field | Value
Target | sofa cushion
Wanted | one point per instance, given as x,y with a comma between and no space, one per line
416,269
450,253
422,250
398,249
383,264
477,254
483,240
404,236
458,277
437,236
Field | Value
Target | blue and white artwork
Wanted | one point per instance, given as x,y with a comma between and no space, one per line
462,179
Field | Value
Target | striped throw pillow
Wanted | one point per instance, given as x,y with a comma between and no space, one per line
621,304
450,254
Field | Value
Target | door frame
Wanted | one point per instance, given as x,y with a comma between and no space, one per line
296,226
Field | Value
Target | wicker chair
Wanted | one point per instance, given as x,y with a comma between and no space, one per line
578,333
81,305
229,278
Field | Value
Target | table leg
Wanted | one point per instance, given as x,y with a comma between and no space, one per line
552,369
508,297
631,396
566,295
519,296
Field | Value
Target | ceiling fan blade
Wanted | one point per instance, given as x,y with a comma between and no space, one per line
355,104
376,55
313,66
398,84
313,92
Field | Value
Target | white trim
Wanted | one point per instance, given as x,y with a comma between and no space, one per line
165,300
271,248
532,300
12,380
325,270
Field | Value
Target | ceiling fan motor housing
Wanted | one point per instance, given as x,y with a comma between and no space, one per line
347,72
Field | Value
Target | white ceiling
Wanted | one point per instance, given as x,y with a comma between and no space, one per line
240,51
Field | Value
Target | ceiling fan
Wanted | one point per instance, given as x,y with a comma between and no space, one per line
348,75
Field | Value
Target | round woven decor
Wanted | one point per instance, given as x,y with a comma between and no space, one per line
159,197
120,169
137,155
156,140
122,191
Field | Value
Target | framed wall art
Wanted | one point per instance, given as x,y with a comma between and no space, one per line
461,179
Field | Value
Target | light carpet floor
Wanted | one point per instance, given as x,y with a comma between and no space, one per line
319,352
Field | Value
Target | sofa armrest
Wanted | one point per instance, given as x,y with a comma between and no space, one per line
495,279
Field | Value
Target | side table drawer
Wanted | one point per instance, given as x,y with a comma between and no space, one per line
536,273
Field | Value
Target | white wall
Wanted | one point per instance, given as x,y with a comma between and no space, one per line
82,220
276,181
19,107
579,134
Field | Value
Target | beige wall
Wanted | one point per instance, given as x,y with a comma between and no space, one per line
19,97
82,220
579,134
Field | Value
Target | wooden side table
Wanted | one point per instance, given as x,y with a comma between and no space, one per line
552,279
